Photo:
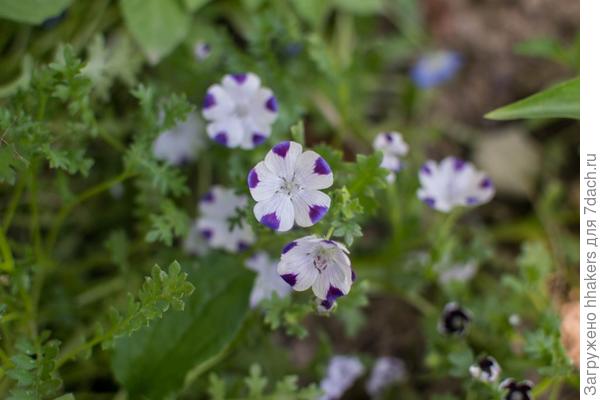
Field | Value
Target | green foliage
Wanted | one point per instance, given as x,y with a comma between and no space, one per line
35,369
559,101
31,11
181,342
284,312
157,25
170,223
257,385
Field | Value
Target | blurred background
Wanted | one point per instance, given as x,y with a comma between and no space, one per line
349,69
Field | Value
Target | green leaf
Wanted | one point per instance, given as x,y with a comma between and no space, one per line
177,343
559,101
158,25
31,11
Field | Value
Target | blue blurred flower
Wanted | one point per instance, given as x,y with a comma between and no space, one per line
435,68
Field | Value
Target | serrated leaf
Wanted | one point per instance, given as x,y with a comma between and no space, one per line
559,101
177,343
31,11
157,25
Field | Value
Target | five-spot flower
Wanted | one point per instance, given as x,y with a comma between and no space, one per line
486,369
267,280
286,187
454,320
180,144
393,147
218,208
517,390
318,263
240,111
452,183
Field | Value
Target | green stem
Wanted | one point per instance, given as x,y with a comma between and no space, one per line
13,204
8,264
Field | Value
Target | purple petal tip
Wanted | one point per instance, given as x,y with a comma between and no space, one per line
270,220
258,138
281,149
316,213
321,167
271,104
208,197
290,279
288,247
253,179
239,78
209,101
333,293
221,138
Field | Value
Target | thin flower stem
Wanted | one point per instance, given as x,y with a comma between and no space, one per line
329,233
13,204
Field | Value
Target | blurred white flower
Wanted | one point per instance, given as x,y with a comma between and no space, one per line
240,111
386,371
180,144
486,369
394,147
452,183
201,51
267,279
318,263
435,68
194,243
217,209
342,372
463,272
286,187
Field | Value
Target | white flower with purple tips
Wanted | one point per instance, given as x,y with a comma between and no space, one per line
393,147
240,111
342,372
453,183
318,263
218,207
286,187
267,280
180,144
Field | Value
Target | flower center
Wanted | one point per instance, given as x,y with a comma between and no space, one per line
322,258
289,187
242,110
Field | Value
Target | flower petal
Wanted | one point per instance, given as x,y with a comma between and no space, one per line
255,133
262,182
276,212
218,104
312,171
241,86
332,283
281,159
263,107
226,132
310,206
300,275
